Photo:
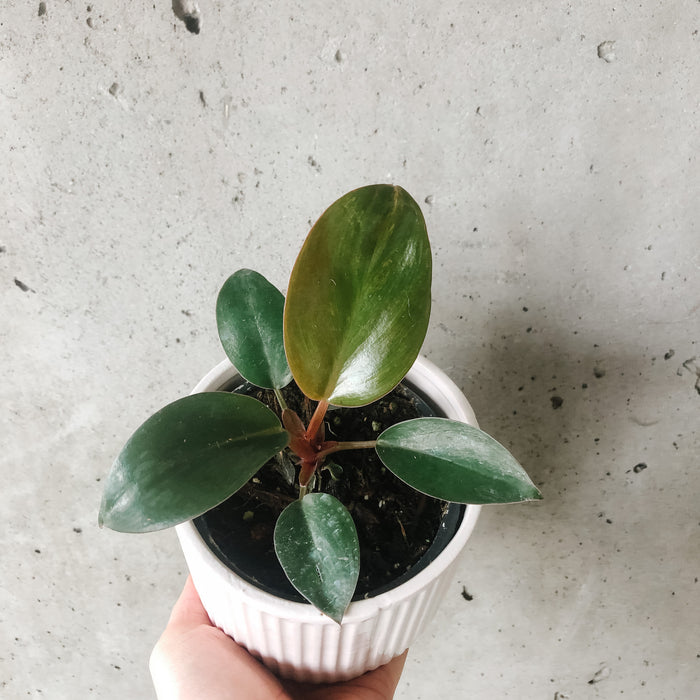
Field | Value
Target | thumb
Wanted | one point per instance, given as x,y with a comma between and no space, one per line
188,612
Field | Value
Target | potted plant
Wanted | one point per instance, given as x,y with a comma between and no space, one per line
349,331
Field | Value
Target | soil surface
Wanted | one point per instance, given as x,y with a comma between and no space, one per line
395,524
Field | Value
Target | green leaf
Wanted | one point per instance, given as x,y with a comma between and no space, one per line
335,470
187,458
249,317
359,297
317,546
454,461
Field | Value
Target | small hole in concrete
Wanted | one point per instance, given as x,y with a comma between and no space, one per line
606,51
187,11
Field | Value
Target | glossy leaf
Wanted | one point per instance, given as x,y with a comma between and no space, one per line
317,546
249,317
455,462
358,301
187,458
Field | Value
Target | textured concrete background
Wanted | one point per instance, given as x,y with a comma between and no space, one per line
553,147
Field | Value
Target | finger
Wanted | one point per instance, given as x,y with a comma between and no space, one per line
188,611
385,679
380,683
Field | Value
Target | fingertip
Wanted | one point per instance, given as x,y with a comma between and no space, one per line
188,610
394,668
383,680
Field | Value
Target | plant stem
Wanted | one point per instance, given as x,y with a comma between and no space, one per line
350,445
280,399
302,492
316,420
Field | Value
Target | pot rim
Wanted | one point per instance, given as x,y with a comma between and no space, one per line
428,379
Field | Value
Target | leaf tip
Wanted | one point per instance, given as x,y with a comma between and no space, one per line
334,614
105,520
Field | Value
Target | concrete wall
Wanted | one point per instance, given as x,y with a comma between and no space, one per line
553,147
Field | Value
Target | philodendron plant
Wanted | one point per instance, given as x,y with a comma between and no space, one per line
351,327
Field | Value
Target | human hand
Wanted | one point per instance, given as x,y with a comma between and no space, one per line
193,660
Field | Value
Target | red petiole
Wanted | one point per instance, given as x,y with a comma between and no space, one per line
310,445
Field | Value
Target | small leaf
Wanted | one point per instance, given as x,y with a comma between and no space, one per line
249,317
317,546
284,466
187,458
293,423
455,462
359,297
335,470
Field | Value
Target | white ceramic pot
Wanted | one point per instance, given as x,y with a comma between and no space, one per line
294,639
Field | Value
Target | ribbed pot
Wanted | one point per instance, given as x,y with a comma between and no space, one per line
294,639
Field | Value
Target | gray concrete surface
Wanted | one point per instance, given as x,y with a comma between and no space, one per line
553,146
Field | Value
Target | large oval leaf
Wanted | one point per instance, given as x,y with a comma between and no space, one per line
249,317
187,458
358,301
317,546
455,462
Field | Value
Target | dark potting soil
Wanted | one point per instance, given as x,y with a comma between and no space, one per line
395,524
